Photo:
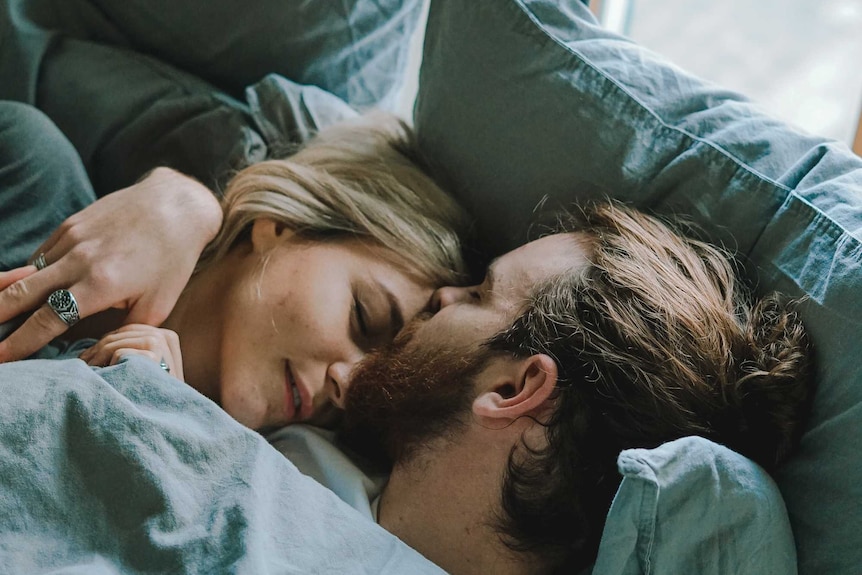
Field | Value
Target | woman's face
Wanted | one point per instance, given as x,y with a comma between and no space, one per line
298,318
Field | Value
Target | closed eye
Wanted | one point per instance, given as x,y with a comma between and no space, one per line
377,315
361,315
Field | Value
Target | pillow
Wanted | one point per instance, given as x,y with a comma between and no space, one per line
519,99
656,523
356,49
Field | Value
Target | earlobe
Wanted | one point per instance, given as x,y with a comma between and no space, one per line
266,234
521,387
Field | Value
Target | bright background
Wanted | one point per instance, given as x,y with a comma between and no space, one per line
800,59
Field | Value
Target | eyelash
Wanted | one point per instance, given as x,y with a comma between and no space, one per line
361,320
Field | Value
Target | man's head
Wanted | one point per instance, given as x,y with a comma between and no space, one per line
622,334
421,387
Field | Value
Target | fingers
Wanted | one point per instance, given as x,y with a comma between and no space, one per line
153,343
52,240
9,277
38,330
122,352
53,248
25,289
175,358
99,250
29,291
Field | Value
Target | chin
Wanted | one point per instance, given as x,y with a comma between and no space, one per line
252,414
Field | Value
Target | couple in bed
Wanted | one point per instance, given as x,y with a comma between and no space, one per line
328,292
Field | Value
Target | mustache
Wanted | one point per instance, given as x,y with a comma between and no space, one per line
416,389
398,344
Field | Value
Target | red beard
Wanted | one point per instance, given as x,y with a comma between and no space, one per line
405,395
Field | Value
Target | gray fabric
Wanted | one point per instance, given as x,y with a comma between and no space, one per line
42,182
355,49
316,453
126,470
287,113
519,99
137,85
125,113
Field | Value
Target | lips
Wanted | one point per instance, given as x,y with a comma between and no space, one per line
292,399
297,404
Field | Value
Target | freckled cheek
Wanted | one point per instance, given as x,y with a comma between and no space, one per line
288,317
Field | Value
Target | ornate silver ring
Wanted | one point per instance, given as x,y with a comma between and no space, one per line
65,306
164,365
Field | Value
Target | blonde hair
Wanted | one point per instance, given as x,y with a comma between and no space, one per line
358,179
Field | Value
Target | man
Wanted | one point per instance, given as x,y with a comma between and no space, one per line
504,412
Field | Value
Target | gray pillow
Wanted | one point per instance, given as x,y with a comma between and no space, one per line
519,99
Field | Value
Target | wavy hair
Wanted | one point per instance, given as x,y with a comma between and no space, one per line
363,178
654,340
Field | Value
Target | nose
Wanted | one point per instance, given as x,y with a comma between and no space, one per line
448,295
338,380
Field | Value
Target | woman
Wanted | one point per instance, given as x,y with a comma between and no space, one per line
321,257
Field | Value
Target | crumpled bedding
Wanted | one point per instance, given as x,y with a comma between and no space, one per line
125,469
693,506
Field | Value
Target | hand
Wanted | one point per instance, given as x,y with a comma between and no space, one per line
157,344
134,249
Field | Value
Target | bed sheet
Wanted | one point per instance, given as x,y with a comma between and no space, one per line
127,470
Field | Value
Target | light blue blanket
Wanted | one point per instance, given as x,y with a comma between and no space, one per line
693,506
127,470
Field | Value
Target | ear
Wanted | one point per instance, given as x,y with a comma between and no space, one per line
517,388
266,234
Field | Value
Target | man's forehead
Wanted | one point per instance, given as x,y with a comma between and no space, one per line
540,259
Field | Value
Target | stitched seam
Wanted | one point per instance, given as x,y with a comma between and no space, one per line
695,138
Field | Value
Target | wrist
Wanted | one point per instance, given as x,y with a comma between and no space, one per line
198,204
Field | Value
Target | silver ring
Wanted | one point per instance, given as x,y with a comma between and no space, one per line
164,365
40,262
65,306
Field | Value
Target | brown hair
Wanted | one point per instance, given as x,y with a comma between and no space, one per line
654,341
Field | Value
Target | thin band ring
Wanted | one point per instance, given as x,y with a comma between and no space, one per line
164,365
65,306
40,262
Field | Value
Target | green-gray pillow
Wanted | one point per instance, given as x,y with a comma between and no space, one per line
519,99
